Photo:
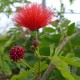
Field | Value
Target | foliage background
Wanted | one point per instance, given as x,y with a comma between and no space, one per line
60,29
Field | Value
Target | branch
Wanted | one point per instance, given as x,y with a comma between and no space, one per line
66,40
47,72
51,66
5,77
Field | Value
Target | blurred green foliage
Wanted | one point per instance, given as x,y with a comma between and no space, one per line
50,38
7,6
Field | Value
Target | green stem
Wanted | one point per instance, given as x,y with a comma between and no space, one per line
39,60
72,50
37,54
28,65
44,57
36,34
2,64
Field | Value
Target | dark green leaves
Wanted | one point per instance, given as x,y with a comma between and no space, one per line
71,1
71,29
55,24
8,3
43,66
49,30
51,38
65,23
51,49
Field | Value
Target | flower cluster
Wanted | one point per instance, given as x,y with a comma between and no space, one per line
33,16
16,53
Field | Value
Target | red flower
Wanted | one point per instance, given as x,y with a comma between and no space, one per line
33,16
16,53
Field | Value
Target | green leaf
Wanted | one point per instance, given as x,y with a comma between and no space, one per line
70,55
49,29
77,52
65,23
71,29
46,38
75,41
55,24
75,61
2,40
43,44
76,77
45,51
6,69
9,41
58,74
63,67
4,64
56,38
56,51
51,49
43,66
71,1
61,53
21,76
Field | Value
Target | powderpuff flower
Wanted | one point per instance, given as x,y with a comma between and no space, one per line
33,16
16,53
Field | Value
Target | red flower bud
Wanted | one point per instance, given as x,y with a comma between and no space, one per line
35,43
16,53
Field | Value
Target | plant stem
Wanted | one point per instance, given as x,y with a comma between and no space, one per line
44,57
36,34
2,66
39,76
51,66
72,50
47,72
39,60
28,65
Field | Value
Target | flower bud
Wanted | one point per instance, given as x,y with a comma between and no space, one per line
16,53
35,43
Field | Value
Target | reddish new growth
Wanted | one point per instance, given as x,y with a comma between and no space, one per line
35,43
16,53
33,16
